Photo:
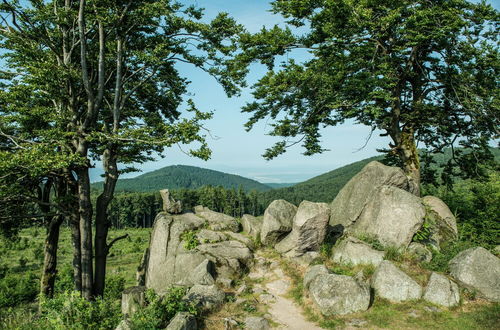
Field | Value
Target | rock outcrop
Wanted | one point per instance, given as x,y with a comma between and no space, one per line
393,284
339,294
355,195
206,297
479,270
441,291
443,222
256,323
182,321
133,299
308,230
277,222
420,251
170,205
356,252
312,273
251,225
216,220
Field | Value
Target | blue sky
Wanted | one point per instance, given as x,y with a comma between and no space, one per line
239,152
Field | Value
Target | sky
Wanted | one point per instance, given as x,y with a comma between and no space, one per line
239,152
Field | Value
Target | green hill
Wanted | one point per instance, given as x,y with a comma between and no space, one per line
182,176
279,185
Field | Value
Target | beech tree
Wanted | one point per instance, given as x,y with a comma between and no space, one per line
98,80
420,71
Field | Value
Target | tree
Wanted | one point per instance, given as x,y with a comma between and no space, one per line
420,71
100,80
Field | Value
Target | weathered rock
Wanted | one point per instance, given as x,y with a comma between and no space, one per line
308,230
479,270
444,223
240,238
216,220
133,299
392,216
307,258
170,205
355,195
230,257
391,283
339,294
207,297
312,273
256,323
251,225
420,251
203,273
496,250
441,291
209,236
182,321
140,274
355,252
277,222
124,325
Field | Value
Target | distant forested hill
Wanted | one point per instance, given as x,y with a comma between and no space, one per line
182,176
280,185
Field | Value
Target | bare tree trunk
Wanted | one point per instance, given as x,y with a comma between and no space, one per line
50,260
85,210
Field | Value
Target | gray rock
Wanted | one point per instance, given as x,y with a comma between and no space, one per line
441,291
182,321
307,258
355,195
240,238
230,324
256,323
339,294
216,220
140,274
356,252
203,273
210,236
133,299
308,230
278,221
170,205
312,273
207,297
124,325
444,223
251,225
391,283
420,251
231,257
479,270
392,216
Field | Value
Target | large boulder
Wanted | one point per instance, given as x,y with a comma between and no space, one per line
206,297
391,283
256,323
312,273
441,291
216,220
204,273
251,225
339,294
443,222
133,299
355,252
479,270
392,216
170,205
355,195
277,222
308,230
182,321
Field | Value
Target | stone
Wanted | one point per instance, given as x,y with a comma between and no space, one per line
308,230
355,195
170,205
256,323
227,250
251,225
124,325
277,222
356,252
203,273
392,216
307,258
140,274
444,223
182,321
216,220
230,324
242,289
479,270
496,250
391,283
207,297
210,236
441,291
133,299
240,238
339,294
312,273
420,251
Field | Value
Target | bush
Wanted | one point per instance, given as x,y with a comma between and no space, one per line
64,280
190,240
160,310
114,287
16,289
440,259
70,311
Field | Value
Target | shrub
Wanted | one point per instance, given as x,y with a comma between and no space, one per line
22,262
190,240
440,259
114,287
16,289
64,279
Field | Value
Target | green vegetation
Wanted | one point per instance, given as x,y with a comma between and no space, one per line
190,240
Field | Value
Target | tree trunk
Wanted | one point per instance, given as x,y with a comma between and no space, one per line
102,225
77,251
85,210
50,261
408,153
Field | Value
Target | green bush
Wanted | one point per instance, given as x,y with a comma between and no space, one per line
114,287
190,240
18,288
64,279
70,311
440,259
160,310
